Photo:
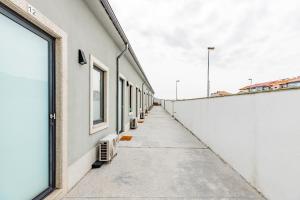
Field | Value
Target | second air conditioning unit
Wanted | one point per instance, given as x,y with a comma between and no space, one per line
108,147
133,123
142,115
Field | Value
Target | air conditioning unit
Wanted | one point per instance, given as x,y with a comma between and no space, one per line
108,147
142,115
133,123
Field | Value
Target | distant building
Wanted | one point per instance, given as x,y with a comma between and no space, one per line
291,83
272,85
220,94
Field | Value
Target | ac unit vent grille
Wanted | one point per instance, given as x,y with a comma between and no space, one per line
103,151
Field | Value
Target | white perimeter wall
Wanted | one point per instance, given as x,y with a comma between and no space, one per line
257,134
168,106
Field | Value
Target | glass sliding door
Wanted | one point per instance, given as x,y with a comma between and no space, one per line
136,102
121,105
27,99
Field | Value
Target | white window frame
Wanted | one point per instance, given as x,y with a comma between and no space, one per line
94,62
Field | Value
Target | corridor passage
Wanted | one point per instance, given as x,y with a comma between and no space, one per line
163,161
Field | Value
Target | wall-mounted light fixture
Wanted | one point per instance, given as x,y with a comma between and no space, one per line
81,57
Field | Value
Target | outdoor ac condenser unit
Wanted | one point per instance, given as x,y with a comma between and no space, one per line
142,115
133,123
108,147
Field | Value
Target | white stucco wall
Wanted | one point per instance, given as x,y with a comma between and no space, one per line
257,134
169,107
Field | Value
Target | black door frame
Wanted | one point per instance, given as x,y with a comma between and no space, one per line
136,102
4,10
122,82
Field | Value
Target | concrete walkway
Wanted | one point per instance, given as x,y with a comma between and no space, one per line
163,161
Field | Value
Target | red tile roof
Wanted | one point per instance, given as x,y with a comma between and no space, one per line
296,79
272,83
221,93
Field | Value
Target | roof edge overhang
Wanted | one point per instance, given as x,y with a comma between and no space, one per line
112,25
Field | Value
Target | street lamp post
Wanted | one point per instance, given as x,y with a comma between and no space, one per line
177,81
208,82
250,79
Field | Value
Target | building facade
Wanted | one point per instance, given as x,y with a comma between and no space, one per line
272,85
291,83
59,96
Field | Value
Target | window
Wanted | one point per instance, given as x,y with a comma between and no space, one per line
259,89
293,84
98,95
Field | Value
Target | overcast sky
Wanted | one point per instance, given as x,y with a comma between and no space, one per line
258,39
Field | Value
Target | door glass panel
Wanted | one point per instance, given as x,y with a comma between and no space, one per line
136,102
24,128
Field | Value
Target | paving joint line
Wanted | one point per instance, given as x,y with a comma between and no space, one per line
147,147
169,197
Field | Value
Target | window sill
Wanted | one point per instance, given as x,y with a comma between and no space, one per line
98,127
